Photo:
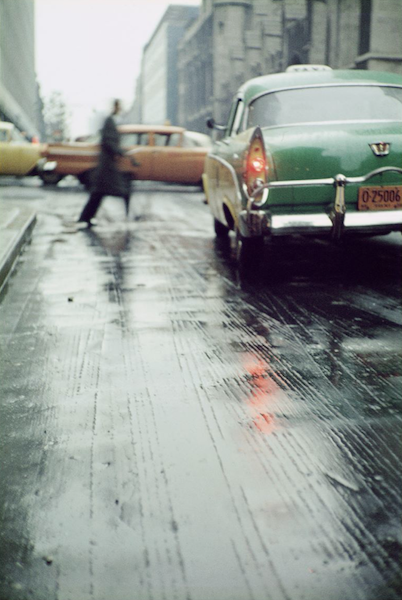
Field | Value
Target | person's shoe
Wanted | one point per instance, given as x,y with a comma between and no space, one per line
83,224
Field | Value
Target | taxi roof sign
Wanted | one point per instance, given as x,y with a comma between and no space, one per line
296,68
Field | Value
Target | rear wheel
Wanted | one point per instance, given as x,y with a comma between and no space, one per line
249,252
50,177
221,230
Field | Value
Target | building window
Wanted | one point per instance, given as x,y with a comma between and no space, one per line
365,26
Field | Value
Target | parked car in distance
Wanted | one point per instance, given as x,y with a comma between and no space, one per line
18,156
163,153
310,151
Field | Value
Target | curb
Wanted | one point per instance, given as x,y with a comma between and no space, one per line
15,231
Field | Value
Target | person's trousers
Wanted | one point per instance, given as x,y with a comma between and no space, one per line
89,210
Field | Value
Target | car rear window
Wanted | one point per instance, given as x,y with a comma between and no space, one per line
166,139
193,139
134,139
326,104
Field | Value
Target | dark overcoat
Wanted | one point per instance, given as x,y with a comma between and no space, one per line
108,180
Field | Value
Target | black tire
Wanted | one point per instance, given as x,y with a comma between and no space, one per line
221,230
249,252
50,177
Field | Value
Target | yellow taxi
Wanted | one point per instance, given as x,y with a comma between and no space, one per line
151,152
18,156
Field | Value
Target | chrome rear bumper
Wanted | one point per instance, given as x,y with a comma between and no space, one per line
260,223
254,221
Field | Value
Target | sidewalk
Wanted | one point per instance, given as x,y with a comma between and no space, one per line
16,225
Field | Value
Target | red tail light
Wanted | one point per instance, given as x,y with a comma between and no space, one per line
256,164
256,167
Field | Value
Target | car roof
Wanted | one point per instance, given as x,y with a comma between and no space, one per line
147,128
280,81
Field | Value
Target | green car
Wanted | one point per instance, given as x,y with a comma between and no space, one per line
310,151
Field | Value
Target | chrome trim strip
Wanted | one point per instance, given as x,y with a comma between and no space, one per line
73,152
282,224
338,211
333,181
287,223
371,218
49,165
232,172
250,199
365,178
296,183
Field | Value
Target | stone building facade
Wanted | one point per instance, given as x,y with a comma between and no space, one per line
356,34
156,90
20,100
234,40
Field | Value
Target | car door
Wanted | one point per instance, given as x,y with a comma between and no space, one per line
4,151
137,147
167,157
18,156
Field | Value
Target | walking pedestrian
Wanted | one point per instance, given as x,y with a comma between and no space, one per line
108,180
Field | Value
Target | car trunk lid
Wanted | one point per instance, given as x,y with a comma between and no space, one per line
317,151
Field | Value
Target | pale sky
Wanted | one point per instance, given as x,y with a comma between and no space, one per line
90,50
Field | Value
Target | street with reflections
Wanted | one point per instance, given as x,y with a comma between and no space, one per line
171,430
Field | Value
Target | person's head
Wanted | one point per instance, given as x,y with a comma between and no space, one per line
116,107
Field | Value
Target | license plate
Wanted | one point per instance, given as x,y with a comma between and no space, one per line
385,197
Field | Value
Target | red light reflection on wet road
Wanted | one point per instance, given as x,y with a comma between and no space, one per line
263,392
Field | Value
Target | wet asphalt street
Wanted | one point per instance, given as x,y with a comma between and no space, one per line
170,431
